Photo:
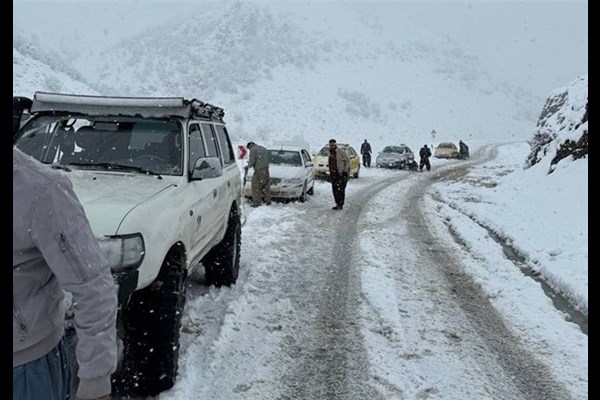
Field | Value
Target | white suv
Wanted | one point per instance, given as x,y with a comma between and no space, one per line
159,183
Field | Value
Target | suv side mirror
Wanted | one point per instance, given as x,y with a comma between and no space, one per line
207,168
309,164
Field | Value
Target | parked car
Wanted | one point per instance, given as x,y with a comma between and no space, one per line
400,157
446,150
292,173
160,186
321,161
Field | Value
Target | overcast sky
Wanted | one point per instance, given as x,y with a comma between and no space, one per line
539,45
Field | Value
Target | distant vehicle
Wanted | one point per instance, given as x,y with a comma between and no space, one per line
446,150
292,173
321,161
399,157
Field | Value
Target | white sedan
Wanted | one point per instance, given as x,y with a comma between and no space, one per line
292,174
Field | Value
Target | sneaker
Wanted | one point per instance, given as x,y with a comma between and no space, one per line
337,208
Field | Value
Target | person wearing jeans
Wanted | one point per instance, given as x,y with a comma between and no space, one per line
54,249
259,159
339,171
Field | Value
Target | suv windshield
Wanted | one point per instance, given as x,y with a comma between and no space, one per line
104,142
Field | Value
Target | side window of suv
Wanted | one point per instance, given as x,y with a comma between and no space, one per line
197,149
210,140
225,145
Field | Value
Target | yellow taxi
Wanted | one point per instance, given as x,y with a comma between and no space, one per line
446,150
321,161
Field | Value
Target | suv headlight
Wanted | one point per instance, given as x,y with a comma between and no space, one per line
123,252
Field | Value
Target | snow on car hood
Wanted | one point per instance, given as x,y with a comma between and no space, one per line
108,196
284,171
281,171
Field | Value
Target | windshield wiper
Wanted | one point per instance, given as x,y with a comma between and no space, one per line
60,166
119,167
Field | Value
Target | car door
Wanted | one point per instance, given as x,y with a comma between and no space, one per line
354,161
231,172
204,197
309,170
221,192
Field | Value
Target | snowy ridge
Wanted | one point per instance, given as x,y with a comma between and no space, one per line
39,69
31,75
321,72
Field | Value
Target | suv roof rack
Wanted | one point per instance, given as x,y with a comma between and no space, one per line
146,107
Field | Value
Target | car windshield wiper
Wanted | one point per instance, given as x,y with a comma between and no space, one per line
120,167
60,166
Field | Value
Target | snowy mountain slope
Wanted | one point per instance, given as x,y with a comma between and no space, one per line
31,75
36,69
221,52
321,71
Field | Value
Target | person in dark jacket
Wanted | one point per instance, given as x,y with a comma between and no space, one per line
365,151
463,149
424,153
259,159
54,249
339,171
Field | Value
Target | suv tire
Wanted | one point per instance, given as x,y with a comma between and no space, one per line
222,263
152,322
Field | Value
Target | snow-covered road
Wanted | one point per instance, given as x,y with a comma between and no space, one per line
364,303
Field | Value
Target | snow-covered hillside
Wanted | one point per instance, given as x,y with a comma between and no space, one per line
311,72
39,69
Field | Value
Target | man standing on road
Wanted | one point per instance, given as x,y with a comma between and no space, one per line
424,153
365,151
54,249
463,150
339,170
261,180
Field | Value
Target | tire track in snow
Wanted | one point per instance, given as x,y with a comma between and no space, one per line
332,362
532,378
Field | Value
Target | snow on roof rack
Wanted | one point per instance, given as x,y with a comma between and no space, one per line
207,110
146,107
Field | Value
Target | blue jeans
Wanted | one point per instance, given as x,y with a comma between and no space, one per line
47,378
